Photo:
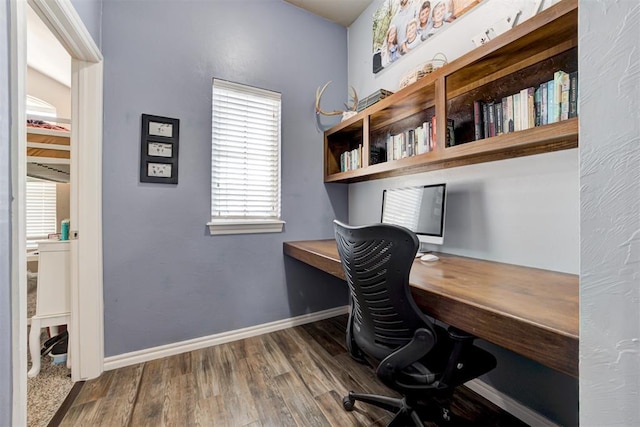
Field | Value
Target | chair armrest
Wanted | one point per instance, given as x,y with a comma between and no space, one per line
421,344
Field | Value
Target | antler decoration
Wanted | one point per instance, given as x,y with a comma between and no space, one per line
352,107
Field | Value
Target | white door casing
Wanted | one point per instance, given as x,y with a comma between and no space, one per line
87,318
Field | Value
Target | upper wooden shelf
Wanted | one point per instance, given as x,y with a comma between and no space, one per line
525,56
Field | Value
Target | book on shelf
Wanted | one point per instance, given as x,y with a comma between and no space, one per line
422,138
524,105
499,118
372,99
537,108
562,93
551,101
491,121
450,139
573,94
351,159
409,143
548,102
485,120
478,128
517,111
543,103
377,154
508,114
530,109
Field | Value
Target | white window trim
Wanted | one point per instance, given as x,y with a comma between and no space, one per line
227,226
239,226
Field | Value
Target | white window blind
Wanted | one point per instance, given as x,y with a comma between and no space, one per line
41,210
245,159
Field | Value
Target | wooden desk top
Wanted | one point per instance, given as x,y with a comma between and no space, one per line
529,311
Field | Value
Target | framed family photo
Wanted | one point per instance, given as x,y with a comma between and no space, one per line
400,26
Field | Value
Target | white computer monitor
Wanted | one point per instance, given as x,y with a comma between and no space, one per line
420,209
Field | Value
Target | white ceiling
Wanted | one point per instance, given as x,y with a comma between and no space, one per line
44,51
343,12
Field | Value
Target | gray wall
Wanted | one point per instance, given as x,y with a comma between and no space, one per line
165,278
90,11
522,211
610,213
6,381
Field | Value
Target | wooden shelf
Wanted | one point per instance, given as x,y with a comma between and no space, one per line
525,56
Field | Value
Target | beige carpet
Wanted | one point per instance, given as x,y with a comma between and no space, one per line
47,391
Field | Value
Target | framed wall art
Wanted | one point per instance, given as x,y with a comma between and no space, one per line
400,26
159,149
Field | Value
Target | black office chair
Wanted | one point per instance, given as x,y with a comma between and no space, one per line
386,328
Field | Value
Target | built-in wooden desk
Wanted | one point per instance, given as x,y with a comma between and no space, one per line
529,311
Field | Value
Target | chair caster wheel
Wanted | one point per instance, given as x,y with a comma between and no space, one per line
348,403
446,415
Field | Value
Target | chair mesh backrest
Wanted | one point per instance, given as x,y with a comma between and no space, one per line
377,260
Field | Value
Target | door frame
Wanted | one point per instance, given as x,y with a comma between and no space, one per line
87,314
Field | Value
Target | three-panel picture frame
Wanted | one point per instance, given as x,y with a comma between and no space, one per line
159,149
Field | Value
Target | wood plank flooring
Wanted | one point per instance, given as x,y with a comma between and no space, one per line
293,377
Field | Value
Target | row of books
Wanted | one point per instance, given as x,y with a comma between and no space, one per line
372,99
416,141
550,102
351,159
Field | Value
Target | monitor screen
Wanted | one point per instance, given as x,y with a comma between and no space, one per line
420,209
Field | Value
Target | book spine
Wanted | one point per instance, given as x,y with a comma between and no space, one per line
433,133
505,114
537,98
524,109
451,134
551,96
573,94
516,112
485,120
509,115
564,96
531,107
543,103
426,137
477,120
492,119
499,119
557,101
397,147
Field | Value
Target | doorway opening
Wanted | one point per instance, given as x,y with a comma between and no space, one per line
85,323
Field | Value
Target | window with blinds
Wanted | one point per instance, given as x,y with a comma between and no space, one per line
245,159
41,211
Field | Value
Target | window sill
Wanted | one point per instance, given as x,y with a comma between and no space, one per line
237,226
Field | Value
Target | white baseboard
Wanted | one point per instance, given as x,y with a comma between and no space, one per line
128,359
508,404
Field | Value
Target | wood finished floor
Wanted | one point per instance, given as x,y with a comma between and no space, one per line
293,377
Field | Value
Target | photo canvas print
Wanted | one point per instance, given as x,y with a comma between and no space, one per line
400,26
